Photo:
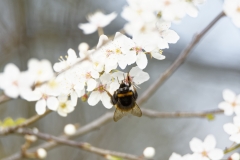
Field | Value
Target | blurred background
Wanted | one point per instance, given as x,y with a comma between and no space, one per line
46,29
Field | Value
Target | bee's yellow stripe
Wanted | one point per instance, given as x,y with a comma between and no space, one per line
125,94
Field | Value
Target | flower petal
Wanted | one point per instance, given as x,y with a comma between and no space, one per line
227,107
106,100
87,28
94,98
209,143
229,95
141,60
196,145
170,36
74,98
230,128
40,107
91,84
215,154
175,156
52,103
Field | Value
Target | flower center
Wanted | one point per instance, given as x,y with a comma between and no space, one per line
101,88
204,154
108,52
63,105
96,63
139,11
44,96
234,104
137,49
238,9
88,75
167,3
118,51
15,83
39,72
52,84
143,29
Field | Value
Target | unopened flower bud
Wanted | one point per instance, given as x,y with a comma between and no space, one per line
35,130
41,153
30,138
83,47
149,152
84,98
69,129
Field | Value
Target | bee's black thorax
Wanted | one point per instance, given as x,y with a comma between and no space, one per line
124,98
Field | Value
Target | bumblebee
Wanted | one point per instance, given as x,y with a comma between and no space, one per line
124,99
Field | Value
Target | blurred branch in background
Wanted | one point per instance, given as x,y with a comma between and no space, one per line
28,122
106,118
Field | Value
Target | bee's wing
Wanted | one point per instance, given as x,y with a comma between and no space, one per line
136,111
118,114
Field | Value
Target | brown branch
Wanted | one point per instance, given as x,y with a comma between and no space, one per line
181,58
152,89
106,118
81,145
153,114
28,122
4,98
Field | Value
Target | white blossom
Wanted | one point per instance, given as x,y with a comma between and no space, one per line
100,94
96,20
14,82
205,150
70,60
233,129
40,94
149,152
41,70
232,10
231,103
65,106
41,153
69,129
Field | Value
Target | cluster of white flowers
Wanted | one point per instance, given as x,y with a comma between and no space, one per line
98,75
95,77
232,10
231,105
202,150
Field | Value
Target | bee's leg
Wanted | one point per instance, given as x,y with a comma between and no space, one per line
135,94
114,98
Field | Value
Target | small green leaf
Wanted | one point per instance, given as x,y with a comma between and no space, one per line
8,122
109,157
210,117
19,121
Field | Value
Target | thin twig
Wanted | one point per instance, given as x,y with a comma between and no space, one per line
106,118
153,114
181,58
81,145
4,98
232,148
28,122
